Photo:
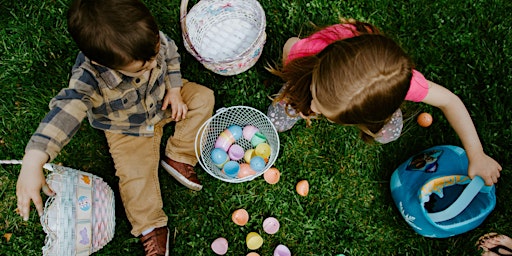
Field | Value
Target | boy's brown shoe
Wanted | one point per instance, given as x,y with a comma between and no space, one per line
156,243
183,173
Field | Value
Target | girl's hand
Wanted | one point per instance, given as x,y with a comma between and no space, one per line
178,107
484,166
30,182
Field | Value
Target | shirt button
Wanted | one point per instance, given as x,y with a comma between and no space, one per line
151,105
137,80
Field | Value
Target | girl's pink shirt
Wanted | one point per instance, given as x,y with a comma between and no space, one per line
318,41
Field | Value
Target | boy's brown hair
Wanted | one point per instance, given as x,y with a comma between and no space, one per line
358,81
113,33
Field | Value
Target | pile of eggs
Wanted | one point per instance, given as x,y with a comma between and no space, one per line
253,239
232,159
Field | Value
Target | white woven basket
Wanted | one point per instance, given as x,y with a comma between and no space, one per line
241,116
226,36
80,218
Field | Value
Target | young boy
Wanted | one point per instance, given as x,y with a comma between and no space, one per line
127,81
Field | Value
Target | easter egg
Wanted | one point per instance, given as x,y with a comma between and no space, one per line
240,217
271,225
231,169
219,157
282,250
245,171
263,150
257,163
224,140
236,152
236,131
272,175
258,138
424,119
249,131
302,188
253,254
254,241
220,246
249,154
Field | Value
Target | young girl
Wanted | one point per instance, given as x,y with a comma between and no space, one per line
354,75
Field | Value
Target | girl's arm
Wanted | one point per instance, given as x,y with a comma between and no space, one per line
480,164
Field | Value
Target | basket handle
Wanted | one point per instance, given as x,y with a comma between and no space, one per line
470,192
184,30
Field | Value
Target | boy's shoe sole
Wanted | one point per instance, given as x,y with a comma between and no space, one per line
181,178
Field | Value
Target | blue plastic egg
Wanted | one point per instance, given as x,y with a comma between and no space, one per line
257,163
236,130
219,157
231,169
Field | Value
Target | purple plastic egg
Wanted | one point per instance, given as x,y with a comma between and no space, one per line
282,250
236,152
220,246
271,225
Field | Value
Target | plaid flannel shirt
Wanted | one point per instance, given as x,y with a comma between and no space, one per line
110,100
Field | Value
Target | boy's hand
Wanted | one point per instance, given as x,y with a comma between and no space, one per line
484,166
178,107
30,182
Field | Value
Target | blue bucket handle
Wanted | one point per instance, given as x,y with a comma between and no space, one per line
472,189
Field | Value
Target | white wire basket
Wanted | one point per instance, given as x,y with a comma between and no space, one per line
226,36
80,218
225,117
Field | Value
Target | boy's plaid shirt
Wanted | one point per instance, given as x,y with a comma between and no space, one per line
112,101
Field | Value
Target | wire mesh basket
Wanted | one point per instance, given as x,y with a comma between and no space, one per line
226,36
80,218
240,116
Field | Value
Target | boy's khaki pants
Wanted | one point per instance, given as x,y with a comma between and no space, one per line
136,159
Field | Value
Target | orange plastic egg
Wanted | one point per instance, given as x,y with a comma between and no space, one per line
253,254
245,171
425,119
302,188
240,217
272,175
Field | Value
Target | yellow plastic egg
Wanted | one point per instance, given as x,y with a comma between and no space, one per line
249,154
263,150
240,217
254,241
272,175
302,188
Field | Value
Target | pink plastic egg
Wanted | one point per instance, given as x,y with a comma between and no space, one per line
271,225
220,246
245,171
225,140
249,131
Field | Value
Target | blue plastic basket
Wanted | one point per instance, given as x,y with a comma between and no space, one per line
436,197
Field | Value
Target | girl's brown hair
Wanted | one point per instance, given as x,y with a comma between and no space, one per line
358,81
113,33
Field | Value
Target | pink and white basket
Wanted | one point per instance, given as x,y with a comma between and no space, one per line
80,218
226,36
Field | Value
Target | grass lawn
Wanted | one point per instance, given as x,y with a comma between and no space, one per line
463,45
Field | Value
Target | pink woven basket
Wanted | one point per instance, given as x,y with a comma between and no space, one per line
226,36
80,218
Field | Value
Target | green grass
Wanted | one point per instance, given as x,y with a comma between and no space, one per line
463,45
